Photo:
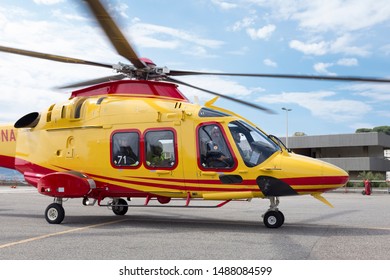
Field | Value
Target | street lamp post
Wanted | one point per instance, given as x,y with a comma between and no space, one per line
287,110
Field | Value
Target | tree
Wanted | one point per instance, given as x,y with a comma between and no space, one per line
363,130
384,129
373,177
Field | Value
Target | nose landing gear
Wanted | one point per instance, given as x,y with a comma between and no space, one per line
273,218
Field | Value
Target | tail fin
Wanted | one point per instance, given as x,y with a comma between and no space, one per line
8,136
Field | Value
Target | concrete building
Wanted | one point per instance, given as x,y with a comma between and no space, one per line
354,153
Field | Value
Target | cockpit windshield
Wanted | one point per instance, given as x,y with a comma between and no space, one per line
254,146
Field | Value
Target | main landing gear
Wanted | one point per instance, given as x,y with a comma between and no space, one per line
55,213
273,218
119,206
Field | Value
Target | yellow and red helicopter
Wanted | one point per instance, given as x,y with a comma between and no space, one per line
135,135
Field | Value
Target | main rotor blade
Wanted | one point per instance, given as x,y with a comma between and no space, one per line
114,34
94,81
223,96
283,76
47,56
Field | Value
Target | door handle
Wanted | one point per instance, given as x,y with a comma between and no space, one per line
208,173
163,172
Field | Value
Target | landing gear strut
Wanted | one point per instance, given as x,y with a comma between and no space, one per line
55,213
273,218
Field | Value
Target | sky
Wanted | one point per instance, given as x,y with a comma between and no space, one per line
314,37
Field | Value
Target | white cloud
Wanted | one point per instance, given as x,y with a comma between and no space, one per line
27,83
270,63
322,68
347,62
357,125
48,2
342,45
157,36
244,23
220,85
372,92
224,5
264,32
322,104
340,15
198,51
119,8
319,48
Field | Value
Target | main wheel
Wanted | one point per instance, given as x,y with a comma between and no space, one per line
273,219
55,213
120,207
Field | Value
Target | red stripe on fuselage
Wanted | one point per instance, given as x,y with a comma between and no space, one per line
322,180
7,162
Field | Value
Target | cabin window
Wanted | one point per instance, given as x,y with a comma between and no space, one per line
125,149
214,151
160,149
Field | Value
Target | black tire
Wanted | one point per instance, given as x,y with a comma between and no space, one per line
120,208
55,213
273,219
281,213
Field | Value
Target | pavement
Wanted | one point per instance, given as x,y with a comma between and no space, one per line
357,228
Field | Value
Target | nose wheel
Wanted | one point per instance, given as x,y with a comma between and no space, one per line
273,218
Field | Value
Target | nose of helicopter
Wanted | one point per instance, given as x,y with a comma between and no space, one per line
314,175
298,174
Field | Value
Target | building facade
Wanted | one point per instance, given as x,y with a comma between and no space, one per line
354,153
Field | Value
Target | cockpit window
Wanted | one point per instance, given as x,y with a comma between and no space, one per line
207,112
254,146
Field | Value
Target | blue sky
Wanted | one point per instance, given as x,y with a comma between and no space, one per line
330,37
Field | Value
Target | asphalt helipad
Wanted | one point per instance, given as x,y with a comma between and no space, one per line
357,228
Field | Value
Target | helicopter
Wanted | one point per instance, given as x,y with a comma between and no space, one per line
136,135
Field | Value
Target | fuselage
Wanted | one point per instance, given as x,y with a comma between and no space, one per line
112,138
